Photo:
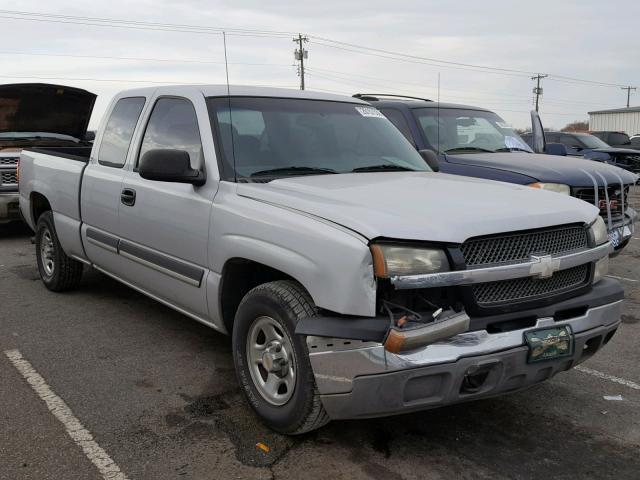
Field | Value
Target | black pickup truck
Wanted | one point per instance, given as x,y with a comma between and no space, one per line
37,115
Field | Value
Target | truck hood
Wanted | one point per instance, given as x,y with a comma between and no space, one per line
421,205
547,168
41,107
615,150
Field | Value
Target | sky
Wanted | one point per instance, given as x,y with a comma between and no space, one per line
587,40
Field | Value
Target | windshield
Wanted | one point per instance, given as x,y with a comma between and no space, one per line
468,131
591,141
276,137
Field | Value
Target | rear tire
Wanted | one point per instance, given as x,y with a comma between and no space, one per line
58,272
272,363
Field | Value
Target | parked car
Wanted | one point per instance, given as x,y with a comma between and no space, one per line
37,115
592,148
614,139
355,282
476,142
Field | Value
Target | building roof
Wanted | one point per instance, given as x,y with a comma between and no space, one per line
617,110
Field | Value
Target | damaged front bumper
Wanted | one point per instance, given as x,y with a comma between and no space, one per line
359,379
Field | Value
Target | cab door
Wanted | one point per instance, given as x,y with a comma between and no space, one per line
102,184
164,226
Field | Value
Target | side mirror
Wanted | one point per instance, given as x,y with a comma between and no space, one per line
166,165
431,158
556,149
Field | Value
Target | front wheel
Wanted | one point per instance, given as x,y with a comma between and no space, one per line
57,271
272,363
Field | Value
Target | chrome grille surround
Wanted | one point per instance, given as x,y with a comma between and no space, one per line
529,288
519,246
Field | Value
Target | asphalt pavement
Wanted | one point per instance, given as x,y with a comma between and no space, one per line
157,393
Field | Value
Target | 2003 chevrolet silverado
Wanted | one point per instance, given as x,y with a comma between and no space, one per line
355,282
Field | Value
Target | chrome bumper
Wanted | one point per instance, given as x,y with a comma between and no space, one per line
361,379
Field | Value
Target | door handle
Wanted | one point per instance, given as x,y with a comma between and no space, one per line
128,197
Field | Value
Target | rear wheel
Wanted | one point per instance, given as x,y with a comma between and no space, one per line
57,271
272,363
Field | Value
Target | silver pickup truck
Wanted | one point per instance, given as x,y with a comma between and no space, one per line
355,281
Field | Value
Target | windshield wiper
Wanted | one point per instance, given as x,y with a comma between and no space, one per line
383,167
468,149
512,149
292,170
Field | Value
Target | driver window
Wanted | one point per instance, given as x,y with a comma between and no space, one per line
173,124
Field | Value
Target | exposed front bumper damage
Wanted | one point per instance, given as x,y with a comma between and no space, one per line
362,379
9,208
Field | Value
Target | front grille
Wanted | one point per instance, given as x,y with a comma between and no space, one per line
9,178
9,161
518,247
521,289
616,205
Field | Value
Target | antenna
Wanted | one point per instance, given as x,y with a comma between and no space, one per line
438,113
226,68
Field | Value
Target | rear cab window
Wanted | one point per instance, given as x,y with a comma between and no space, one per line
119,131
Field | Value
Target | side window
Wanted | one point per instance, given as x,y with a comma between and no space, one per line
570,141
396,117
173,124
119,130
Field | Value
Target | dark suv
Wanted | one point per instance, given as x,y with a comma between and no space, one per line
476,142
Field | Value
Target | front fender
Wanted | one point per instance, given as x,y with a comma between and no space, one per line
331,262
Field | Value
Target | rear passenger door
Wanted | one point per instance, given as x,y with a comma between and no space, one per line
102,181
164,226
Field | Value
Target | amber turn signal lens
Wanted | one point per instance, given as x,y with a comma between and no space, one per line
379,264
394,342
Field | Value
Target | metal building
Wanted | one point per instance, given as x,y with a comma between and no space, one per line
618,120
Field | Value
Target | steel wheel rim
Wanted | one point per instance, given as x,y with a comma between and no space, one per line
271,360
47,254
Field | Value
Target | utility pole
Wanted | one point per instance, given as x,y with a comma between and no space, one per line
300,55
537,90
628,89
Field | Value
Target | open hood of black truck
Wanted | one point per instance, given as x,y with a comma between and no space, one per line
45,108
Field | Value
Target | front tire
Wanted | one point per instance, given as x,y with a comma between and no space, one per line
58,272
272,363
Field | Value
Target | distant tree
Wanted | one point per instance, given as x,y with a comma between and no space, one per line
577,126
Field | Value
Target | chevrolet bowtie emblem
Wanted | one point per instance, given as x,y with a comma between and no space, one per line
544,266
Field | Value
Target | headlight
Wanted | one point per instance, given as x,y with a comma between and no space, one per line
602,268
552,187
392,260
599,232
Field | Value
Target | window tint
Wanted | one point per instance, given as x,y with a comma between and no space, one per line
173,125
570,141
618,139
396,117
119,130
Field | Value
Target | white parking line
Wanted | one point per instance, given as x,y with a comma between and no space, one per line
622,278
606,376
80,435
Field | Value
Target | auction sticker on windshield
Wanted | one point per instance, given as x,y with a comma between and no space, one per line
370,112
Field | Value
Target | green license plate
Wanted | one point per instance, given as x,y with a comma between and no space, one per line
549,343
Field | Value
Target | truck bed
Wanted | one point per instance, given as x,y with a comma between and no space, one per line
56,174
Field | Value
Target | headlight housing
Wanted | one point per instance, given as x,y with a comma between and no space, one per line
599,232
552,187
398,260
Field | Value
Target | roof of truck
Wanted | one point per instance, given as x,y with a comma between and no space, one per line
244,90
